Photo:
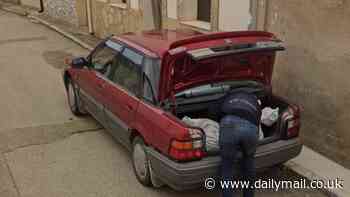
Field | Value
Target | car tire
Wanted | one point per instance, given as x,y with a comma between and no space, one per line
74,101
140,162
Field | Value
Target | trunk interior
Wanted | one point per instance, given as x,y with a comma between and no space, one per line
207,107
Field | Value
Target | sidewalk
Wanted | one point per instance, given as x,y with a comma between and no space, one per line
10,7
80,35
308,164
315,166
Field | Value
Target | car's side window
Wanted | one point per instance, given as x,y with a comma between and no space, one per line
127,71
151,70
111,68
102,57
147,90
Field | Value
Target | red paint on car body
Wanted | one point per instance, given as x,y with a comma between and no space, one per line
157,127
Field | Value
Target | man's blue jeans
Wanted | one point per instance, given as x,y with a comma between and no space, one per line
236,135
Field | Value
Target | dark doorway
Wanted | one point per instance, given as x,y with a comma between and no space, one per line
204,10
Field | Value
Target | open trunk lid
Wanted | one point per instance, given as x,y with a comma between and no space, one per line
221,57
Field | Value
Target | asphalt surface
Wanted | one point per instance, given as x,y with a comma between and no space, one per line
45,150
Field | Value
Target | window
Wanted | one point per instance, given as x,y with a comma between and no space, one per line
127,71
133,56
195,13
104,55
119,1
204,10
114,45
147,90
151,71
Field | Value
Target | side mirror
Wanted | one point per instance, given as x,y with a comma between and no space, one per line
77,63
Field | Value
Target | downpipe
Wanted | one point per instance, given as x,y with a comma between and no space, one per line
89,16
41,6
157,13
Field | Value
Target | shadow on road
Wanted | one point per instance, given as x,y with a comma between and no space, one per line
56,58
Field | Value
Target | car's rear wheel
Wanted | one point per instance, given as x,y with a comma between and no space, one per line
74,101
140,162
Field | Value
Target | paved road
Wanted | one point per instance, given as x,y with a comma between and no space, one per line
45,151
29,85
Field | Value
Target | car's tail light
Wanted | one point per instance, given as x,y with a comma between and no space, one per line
292,120
190,149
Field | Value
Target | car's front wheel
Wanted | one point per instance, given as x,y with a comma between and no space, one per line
74,101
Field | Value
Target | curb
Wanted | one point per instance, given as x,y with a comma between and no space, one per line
300,170
62,32
14,10
22,12
310,175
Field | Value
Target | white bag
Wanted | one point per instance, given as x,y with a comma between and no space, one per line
211,130
269,116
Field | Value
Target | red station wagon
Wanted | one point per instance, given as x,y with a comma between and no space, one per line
140,85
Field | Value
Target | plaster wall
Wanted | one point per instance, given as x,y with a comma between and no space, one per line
234,15
314,71
110,19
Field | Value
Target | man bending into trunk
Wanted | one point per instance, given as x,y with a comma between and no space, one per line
239,128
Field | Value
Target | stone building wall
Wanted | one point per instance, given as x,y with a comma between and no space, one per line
314,71
64,10
31,3
11,1
112,19
108,16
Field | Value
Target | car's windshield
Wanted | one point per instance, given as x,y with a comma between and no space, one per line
217,88
104,54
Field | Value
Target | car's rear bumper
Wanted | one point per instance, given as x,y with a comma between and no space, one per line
190,175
